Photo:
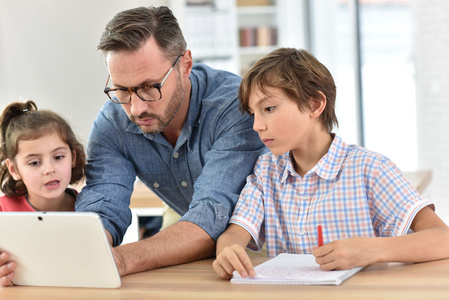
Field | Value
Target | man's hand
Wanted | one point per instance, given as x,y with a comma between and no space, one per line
179,243
233,258
6,269
119,262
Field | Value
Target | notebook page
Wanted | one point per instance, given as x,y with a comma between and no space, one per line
294,269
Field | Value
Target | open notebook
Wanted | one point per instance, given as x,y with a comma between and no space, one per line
294,269
67,249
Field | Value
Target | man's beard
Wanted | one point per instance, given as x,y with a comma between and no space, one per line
172,108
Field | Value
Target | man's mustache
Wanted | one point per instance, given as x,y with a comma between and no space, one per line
144,115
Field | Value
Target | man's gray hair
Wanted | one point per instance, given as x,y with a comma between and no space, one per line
129,30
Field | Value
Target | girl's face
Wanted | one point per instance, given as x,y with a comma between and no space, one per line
45,167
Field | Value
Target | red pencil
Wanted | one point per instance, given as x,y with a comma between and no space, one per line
320,236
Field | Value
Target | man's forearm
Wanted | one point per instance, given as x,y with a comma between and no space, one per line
180,243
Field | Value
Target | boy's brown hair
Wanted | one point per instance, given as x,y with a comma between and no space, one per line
299,75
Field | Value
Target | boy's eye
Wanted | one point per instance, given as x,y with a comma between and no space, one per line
269,108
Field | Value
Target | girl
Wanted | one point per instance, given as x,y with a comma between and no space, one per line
40,156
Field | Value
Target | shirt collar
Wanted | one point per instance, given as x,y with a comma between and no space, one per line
328,166
331,163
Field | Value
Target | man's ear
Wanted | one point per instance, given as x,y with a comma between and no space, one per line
186,64
13,170
318,105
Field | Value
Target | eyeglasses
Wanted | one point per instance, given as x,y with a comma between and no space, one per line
150,93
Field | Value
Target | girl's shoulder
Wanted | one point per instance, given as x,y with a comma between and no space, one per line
18,203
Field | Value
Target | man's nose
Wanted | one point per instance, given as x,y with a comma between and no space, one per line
137,105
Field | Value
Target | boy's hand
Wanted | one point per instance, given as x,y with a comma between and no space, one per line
233,258
346,254
6,269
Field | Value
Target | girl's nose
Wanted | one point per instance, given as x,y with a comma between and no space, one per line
49,167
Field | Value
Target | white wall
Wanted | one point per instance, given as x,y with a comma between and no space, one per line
48,54
431,42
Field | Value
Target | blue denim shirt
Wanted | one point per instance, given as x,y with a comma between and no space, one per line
200,178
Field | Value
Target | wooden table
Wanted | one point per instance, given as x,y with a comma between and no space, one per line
197,280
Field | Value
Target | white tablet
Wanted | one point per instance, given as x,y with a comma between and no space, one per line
64,249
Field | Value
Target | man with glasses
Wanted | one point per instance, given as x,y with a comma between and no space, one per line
177,127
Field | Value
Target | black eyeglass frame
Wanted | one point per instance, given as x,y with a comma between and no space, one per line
132,90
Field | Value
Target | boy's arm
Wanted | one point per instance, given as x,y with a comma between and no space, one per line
231,254
430,241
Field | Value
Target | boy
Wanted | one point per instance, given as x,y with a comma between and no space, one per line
311,177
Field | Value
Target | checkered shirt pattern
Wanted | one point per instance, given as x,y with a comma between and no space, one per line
351,192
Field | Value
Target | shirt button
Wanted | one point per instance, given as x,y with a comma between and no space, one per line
184,184
302,232
304,197
156,185
176,155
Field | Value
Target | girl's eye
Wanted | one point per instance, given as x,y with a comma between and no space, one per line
269,108
34,163
58,157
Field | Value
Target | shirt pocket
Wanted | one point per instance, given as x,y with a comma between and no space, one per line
159,181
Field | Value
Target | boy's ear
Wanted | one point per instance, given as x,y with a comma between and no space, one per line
318,105
12,170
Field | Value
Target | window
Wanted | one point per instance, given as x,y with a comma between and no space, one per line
387,108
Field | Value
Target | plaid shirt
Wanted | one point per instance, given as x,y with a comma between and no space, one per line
351,192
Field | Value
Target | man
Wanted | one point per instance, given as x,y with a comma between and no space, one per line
176,126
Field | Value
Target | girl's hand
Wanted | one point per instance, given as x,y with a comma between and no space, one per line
6,269
233,258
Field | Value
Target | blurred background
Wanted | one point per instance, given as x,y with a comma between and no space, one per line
388,58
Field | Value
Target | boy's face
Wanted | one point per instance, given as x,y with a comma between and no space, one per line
281,126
